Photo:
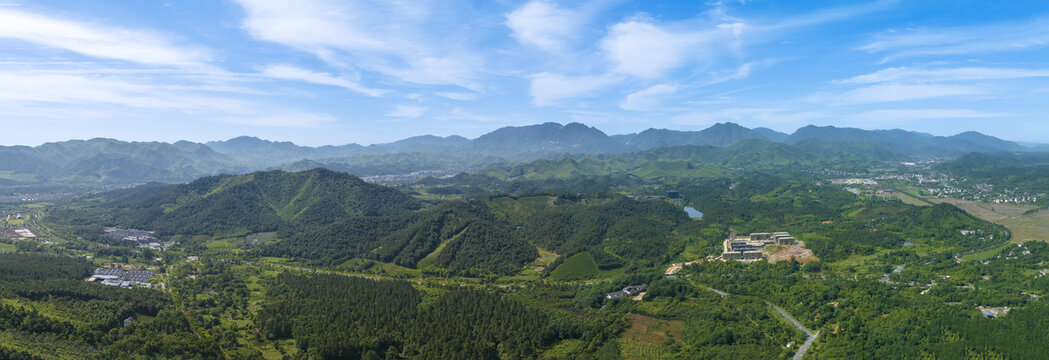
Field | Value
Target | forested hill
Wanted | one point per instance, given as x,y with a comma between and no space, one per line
256,202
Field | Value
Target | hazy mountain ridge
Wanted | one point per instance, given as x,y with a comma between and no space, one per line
113,161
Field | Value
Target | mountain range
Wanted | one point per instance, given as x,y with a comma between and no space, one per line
118,162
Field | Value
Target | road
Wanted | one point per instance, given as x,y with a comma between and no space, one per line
811,336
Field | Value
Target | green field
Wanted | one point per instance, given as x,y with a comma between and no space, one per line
576,267
984,255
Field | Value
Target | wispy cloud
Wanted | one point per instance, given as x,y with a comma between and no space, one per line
284,120
754,117
903,115
288,72
91,91
548,88
1003,37
419,43
98,41
891,92
647,99
943,74
461,96
407,111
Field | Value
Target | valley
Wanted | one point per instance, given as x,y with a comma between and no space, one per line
523,179
248,265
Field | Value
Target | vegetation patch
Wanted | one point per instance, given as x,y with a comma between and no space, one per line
575,267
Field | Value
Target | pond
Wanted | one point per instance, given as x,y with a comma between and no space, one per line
693,213
908,243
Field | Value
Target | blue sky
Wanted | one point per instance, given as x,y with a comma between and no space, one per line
337,72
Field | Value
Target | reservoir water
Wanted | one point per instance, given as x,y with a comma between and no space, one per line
693,213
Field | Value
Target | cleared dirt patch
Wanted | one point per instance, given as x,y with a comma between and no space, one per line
786,252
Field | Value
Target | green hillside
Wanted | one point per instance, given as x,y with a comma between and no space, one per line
256,202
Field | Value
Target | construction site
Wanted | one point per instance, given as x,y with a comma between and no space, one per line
756,246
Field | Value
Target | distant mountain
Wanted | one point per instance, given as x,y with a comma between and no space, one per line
908,142
573,138
721,134
112,161
691,161
256,202
772,135
258,153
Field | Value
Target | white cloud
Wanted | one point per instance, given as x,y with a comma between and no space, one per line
133,45
407,111
641,48
543,25
288,72
648,98
414,42
1013,36
943,74
548,88
890,92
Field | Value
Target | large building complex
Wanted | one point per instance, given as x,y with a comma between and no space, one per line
121,277
749,247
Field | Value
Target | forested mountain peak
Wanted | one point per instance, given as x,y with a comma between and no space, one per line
255,202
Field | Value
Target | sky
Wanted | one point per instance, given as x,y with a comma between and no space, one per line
318,72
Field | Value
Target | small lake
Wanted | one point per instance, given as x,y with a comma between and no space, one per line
693,213
908,243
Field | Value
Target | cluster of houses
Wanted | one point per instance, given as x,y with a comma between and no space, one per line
140,238
632,290
122,278
1016,199
746,248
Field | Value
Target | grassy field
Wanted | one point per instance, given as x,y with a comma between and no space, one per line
636,350
1029,227
908,197
984,255
578,266
652,331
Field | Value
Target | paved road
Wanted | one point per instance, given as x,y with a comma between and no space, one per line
791,318
722,293
805,347
811,336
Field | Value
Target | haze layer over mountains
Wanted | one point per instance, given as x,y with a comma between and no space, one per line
108,161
